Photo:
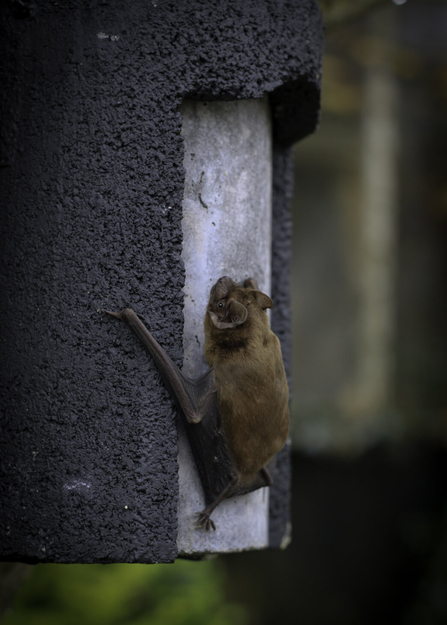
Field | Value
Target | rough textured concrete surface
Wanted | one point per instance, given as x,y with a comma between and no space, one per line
91,188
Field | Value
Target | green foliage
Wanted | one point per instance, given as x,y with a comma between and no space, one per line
184,593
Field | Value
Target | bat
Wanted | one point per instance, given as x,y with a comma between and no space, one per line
236,415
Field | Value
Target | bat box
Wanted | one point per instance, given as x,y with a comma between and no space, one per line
147,152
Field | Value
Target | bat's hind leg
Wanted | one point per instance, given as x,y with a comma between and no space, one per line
204,521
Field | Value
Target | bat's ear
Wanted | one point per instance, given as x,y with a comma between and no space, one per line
237,313
263,300
250,283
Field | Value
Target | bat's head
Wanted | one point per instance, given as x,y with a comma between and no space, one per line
231,304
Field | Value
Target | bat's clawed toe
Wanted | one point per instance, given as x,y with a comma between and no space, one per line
204,521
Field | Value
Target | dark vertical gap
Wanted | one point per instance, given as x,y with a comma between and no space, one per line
279,514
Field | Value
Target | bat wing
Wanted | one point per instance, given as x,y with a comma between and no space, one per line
197,405
208,442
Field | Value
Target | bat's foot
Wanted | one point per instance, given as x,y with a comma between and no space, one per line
204,521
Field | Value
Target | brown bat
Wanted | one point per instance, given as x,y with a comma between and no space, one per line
236,415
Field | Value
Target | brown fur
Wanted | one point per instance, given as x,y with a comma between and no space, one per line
249,374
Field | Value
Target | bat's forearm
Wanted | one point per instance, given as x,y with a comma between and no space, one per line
161,358
171,374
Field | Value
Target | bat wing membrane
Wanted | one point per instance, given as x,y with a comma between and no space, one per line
196,402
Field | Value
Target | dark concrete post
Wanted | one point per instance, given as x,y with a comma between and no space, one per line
94,191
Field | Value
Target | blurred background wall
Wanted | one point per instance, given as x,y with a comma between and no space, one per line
369,396
370,221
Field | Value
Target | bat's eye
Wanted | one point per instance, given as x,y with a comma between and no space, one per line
220,305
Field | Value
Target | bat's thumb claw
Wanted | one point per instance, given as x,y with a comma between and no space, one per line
118,315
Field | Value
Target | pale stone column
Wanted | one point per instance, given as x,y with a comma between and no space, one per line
226,231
